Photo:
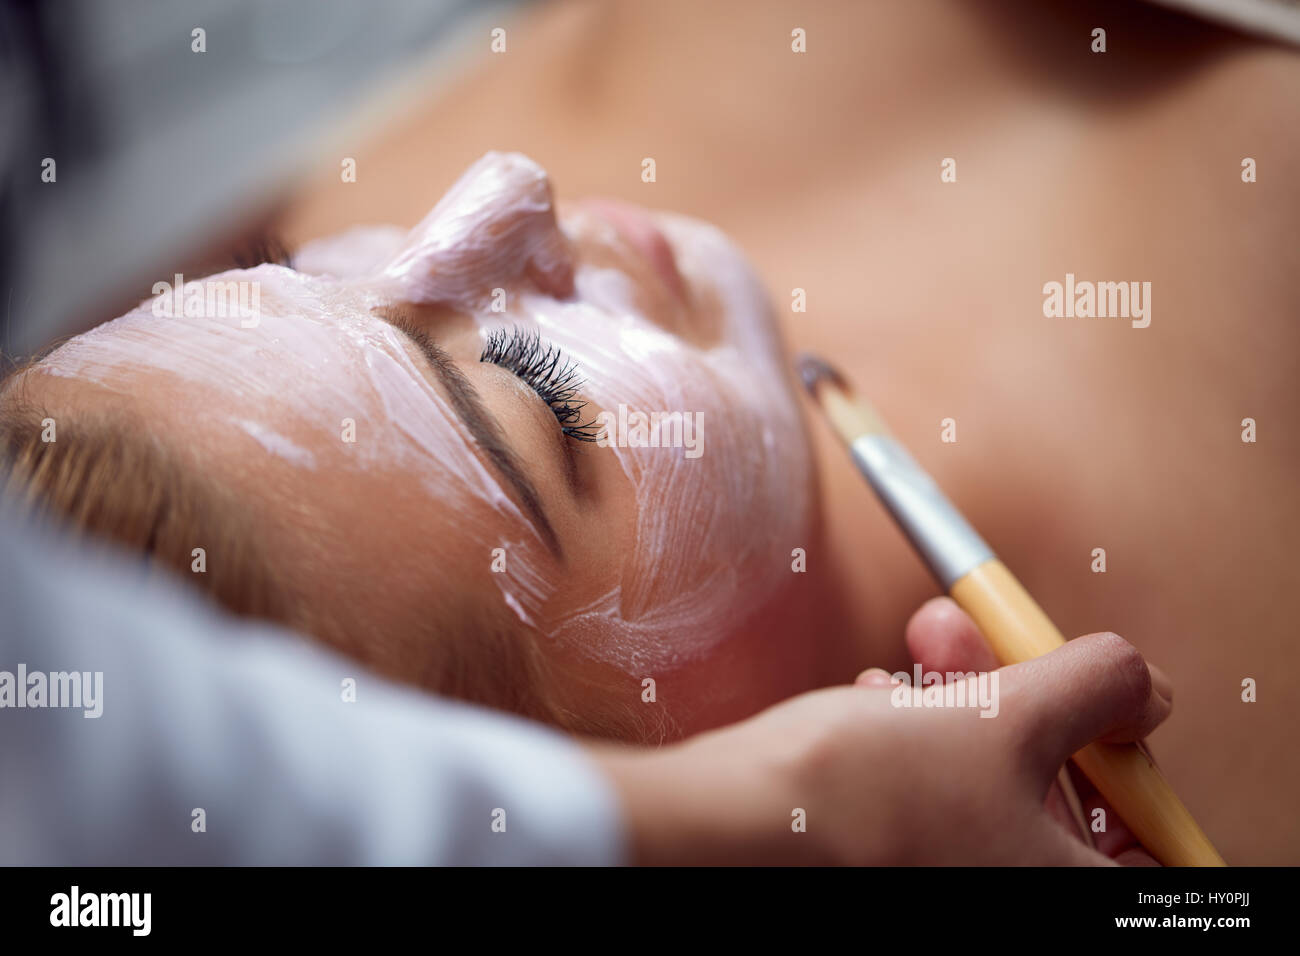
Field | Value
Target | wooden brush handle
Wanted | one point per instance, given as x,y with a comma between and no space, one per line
1018,630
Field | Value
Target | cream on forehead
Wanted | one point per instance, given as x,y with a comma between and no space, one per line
713,534
326,370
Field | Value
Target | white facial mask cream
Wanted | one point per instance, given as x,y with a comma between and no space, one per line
714,529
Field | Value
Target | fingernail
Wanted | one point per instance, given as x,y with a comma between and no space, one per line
874,677
1161,683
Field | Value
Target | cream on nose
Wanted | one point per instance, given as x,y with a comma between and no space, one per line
495,227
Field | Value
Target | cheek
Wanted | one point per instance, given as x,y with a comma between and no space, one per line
719,473
716,508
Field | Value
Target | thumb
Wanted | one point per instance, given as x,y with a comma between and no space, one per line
1094,688
942,638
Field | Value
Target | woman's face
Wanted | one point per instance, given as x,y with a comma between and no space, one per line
454,429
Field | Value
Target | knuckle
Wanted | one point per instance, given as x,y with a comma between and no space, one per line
1127,662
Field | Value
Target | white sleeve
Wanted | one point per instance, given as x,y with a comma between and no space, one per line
249,725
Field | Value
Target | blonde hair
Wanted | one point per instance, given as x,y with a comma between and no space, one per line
104,478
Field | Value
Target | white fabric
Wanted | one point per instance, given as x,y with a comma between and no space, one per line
248,723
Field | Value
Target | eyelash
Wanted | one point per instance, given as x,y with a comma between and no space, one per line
261,249
544,369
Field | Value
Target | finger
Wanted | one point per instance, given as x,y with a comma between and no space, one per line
1110,835
943,639
874,677
1065,807
1093,688
1136,856
1059,809
1060,848
1161,682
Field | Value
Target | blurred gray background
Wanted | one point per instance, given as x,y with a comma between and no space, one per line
159,148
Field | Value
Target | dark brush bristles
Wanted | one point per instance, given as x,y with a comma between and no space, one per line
850,416
813,371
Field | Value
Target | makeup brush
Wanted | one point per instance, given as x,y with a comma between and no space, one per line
1012,622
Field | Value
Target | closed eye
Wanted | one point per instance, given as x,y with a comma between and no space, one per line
543,368
482,425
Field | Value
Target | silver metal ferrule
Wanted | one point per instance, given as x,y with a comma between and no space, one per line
936,529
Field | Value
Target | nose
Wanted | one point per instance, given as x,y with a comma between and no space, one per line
495,227
638,230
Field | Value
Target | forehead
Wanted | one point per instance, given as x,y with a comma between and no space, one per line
263,336
301,488
311,378
312,412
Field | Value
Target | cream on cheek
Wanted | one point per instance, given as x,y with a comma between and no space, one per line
716,524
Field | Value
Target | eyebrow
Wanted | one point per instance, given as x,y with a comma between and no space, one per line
482,424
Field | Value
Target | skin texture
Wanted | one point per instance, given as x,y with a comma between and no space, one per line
1072,434
621,564
254,408
875,781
